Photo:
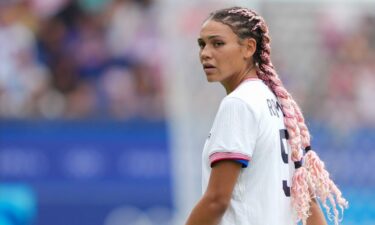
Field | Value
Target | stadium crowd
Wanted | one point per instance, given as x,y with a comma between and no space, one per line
350,77
80,59
104,59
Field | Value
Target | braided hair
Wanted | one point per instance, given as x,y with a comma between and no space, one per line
310,178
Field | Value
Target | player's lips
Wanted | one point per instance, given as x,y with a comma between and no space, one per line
208,68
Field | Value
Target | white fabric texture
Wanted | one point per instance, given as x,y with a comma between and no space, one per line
248,123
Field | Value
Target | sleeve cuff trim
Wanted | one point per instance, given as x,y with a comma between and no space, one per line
227,155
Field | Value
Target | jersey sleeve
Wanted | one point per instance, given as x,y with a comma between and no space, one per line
234,132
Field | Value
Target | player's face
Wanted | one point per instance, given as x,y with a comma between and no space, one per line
221,52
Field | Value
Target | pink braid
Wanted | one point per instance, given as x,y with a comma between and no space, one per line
267,73
300,182
311,180
300,192
321,184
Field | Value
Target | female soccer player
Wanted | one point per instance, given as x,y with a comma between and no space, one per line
254,169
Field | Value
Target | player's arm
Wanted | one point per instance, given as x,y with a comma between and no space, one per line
317,216
216,199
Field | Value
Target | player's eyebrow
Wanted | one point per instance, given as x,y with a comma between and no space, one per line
210,37
213,36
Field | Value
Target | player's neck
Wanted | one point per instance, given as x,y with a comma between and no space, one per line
231,84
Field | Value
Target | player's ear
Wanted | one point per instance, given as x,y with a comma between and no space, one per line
250,46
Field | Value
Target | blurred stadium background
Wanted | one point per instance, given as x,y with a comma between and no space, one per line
104,107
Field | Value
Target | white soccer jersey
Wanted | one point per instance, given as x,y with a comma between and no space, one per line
249,127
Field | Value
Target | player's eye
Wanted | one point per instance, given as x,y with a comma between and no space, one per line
217,44
201,44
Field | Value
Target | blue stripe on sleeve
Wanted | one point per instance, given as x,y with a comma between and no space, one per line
244,163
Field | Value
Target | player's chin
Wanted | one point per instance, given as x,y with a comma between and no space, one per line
211,78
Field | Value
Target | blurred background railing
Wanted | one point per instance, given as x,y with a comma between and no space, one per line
104,107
